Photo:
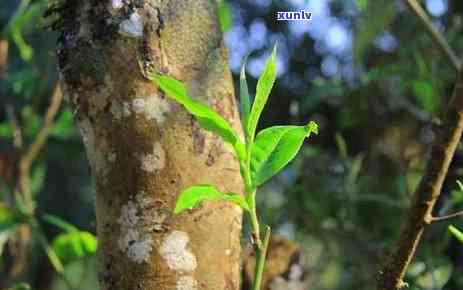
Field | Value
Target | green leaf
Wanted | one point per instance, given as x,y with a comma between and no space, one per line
275,147
8,218
264,86
361,4
460,185
193,196
20,286
424,93
245,99
74,245
207,118
26,14
60,223
457,233
64,126
225,15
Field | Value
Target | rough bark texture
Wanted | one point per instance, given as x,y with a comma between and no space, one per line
143,148
420,214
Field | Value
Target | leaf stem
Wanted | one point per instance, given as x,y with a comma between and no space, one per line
254,220
261,254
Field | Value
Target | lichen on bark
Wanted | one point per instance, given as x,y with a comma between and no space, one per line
143,148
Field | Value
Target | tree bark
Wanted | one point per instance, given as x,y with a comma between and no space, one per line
144,149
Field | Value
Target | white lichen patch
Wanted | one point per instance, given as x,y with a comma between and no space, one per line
138,105
174,251
120,110
279,283
87,133
153,107
117,4
132,27
155,160
95,154
187,283
134,240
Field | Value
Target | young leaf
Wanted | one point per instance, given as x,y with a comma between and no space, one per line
264,86
275,147
207,118
245,99
457,233
193,196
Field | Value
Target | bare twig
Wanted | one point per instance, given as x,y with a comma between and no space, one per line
420,214
435,34
34,149
3,57
15,127
447,217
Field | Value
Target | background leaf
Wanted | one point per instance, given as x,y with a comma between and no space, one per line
193,196
60,223
225,15
275,147
457,233
74,245
264,86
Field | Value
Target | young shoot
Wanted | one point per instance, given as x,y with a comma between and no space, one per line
260,156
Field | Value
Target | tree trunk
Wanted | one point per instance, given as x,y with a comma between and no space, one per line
144,149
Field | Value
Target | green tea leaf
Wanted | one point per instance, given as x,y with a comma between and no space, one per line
207,118
457,233
225,15
245,99
264,86
193,196
74,245
275,147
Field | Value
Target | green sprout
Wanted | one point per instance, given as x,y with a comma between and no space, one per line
260,156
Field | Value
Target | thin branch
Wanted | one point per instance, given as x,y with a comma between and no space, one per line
15,127
434,33
420,214
447,217
3,57
33,150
